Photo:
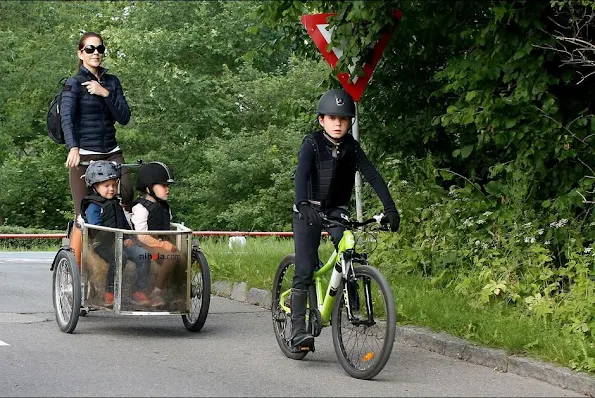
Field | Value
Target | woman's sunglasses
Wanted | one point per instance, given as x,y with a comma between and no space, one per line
90,49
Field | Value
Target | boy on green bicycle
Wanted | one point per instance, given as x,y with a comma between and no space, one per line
327,162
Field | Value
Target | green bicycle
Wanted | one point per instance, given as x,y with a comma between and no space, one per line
358,300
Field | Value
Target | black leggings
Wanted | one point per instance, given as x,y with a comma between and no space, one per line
307,239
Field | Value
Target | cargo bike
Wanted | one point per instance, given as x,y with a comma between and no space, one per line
79,275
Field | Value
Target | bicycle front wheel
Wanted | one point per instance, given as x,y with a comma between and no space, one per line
364,343
66,291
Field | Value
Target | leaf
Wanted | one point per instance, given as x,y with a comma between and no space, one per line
494,188
447,175
470,95
509,122
499,12
252,29
466,151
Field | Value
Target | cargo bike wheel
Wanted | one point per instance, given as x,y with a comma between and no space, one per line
200,291
66,291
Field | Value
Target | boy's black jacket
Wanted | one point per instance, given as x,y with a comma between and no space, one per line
330,180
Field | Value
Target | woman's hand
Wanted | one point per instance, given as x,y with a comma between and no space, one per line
128,242
73,158
94,88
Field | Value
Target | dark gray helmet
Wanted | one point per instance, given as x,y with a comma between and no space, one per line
336,102
100,171
153,173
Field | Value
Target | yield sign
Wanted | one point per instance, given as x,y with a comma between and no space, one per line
316,26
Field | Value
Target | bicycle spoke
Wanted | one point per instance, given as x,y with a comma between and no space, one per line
196,287
359,339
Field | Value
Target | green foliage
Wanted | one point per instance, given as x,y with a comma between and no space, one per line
510,110
204,100
32,196
494,248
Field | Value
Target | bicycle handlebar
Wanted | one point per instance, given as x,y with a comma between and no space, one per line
379,218
138,163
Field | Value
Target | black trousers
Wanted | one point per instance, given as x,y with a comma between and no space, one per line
306,240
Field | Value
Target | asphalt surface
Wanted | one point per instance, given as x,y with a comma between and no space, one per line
235,354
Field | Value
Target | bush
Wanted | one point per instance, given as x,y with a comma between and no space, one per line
494,248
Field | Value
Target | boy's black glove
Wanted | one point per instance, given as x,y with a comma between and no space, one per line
394,220
311,215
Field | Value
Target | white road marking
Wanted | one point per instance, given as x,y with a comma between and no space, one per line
3,343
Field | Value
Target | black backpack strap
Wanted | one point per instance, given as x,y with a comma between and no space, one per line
80,78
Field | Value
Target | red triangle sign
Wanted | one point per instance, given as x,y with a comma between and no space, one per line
316,26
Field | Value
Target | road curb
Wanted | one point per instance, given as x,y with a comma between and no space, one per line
497,359
447,345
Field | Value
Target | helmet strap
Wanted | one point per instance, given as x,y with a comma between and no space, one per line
330,139
152,193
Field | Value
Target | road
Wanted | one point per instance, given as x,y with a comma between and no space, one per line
235,354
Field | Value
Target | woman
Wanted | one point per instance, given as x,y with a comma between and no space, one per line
92,102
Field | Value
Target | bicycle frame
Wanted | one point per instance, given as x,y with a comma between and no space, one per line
340,268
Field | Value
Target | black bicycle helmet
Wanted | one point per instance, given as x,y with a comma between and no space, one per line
153,173
337,103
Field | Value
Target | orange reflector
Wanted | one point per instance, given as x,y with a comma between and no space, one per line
368,356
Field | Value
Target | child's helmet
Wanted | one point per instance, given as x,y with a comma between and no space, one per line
153,173
100,171
336,102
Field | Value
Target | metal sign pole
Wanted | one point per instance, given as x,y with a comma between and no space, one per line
358,177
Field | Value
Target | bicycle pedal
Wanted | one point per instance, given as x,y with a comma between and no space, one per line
306,348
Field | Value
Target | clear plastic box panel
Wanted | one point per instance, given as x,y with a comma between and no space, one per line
136,268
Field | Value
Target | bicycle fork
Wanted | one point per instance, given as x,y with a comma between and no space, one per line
344,271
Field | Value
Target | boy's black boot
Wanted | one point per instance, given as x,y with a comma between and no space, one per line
299,336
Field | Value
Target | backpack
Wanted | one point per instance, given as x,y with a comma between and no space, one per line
54,119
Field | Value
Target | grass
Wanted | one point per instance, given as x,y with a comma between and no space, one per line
418,302
496,325
255,263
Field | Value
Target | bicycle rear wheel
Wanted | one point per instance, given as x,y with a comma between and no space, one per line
280,307
364,343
